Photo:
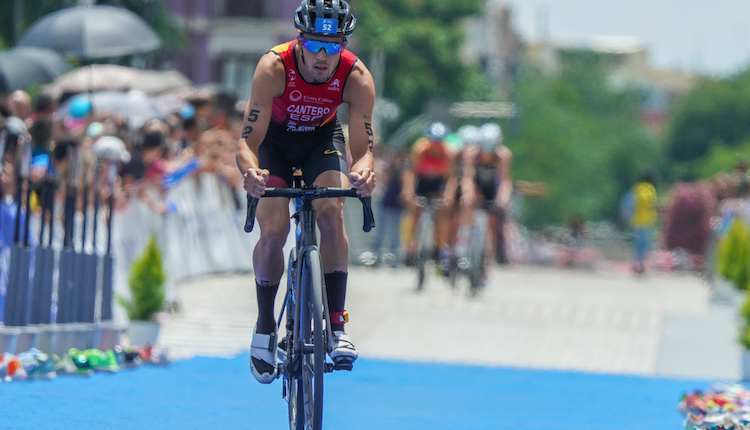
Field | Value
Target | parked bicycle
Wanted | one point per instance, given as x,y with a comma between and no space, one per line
303,350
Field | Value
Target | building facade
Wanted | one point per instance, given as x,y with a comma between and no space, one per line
226,38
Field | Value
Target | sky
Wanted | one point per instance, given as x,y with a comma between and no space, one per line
710,37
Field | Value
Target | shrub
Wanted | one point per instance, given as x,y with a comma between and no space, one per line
733,255
146,281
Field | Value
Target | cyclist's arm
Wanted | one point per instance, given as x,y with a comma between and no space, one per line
268,82
451,184
505,157
359,93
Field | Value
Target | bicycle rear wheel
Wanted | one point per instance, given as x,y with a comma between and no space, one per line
311,347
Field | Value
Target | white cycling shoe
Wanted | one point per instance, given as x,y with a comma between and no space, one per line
342,348
263,357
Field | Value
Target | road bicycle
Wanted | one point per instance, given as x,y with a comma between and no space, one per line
424,234
471,257
308,339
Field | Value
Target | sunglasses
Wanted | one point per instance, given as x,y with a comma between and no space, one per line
315,46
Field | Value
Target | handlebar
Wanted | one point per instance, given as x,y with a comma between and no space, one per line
311,193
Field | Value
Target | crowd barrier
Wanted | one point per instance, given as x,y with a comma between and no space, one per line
57,297
73,301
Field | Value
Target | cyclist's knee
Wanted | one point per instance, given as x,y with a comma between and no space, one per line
274,230
330,213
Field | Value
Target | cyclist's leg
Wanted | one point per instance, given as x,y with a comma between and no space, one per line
268,264
414,212
465,225
442,227
485,193
268,258
273,219
326,167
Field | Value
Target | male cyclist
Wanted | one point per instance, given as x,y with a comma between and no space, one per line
487,178
468,136
431,176
290,122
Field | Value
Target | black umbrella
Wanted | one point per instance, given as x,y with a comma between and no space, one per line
29,65
92,32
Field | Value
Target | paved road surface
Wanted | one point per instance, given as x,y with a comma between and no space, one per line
540,350
530,317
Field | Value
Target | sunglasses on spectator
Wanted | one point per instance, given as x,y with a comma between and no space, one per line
315,46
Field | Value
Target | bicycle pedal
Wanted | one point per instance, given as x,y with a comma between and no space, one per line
343,365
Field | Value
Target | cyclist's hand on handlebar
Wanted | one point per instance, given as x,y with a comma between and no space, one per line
255,181
363,181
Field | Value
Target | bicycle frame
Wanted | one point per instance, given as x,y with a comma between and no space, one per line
303,364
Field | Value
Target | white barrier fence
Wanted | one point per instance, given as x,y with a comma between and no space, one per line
201,236
204,235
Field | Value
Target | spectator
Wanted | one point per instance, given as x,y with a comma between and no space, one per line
391,209
202,107
19,103
41,136
216,149
643,220
190,134
44,108
222,111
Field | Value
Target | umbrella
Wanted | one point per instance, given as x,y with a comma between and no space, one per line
26,66
101,77
159,81
133,104
96,77
92,32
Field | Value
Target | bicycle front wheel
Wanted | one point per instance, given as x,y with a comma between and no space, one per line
425,247
312,346
477,253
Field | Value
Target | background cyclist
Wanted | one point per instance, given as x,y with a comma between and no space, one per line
461,219
290,122
487,177
432,176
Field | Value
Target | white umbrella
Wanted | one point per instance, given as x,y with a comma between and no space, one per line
96,77
103,77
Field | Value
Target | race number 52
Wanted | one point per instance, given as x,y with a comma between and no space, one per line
325,25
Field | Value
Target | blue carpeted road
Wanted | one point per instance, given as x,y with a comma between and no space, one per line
215,393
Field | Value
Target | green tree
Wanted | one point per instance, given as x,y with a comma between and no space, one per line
583,139
421,40
160,18
715,113
32,11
